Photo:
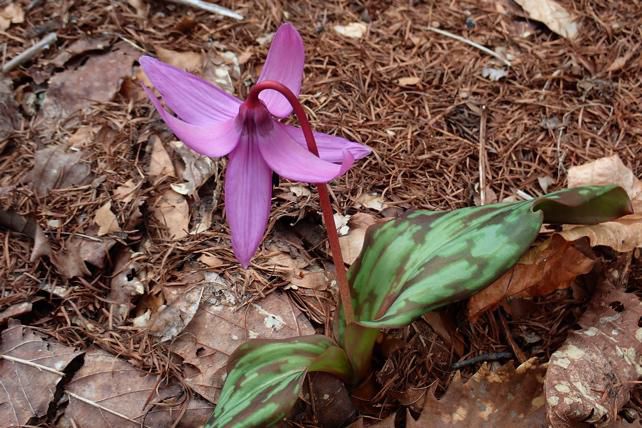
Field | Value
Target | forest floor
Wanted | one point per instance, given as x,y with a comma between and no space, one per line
114,247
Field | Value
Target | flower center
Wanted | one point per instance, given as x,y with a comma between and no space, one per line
254,117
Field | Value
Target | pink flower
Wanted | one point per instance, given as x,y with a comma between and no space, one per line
215,123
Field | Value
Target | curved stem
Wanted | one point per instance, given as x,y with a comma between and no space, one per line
324,197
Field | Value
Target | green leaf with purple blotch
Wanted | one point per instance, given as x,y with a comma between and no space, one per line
265,377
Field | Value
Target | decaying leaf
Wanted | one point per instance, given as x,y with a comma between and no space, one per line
181,304
354,30
172,211
106,220
188,61
507,397
352,243
160,164
9,117
551,265
15,311
295,268
78,47
222,68
125,286
372,200
218,328
625,233
76,89
31,366
54,168
108,392
11,14
71,260
551,14
196,171
591,376
125,192
27,226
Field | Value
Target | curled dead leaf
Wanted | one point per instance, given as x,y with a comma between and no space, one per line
188,61
172,211
106,220
551,265
352,243
551,14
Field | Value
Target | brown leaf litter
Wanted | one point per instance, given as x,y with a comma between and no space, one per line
31,367
591,376
55,168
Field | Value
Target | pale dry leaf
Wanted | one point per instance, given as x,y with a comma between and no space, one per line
551,265
218,328
590,377
125,286
545,182
211,261
623,234
79,47
354,30
125,192
265,39
507,397
299,191
551,14
160,164
82,137
31,366
373,201
408,81
77,89
54,168
341,222
108,392
172,211
493,73
106,220
140,6
182,302
11,14
197,169
352,243
188,61
222,68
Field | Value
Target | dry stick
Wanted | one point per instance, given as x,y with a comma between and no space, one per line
324,197
210,7
101,407
43,44
482,156
31,364
471,43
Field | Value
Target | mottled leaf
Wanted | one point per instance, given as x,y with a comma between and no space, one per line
265,378
425,260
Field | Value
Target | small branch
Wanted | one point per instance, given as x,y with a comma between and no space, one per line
27,55
482,156
32,364
471,43
101,407
209,7
492,356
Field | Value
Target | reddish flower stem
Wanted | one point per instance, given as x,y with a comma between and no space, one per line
324,197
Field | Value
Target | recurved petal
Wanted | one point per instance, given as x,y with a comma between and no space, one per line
284,64
193,99
214,139
331,148
248,194
294,162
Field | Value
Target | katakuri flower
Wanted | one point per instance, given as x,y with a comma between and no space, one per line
215,123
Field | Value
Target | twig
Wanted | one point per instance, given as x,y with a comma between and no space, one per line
101,407
482,155
492,356
210,7
471,43
25,56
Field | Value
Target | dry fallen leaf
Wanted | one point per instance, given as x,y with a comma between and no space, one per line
9,117
408,81
14,311
623,234
222,68
11,14
160,164
551,14
27,226
181,303
354,30
78,47
54,168
76,89
218,329
125,286
551,265
373,201
591,376
108,392
106,220
508,397
71,259
125,192
352,243
172,210
197,169
31,366
188,61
